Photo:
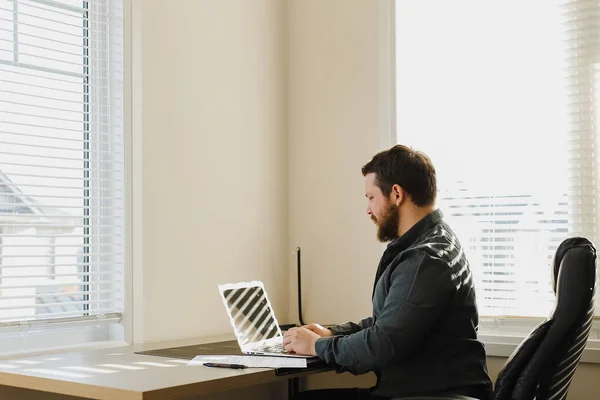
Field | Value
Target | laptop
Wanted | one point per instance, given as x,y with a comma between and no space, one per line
253,320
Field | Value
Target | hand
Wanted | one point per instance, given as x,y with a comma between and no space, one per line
319,330
300,341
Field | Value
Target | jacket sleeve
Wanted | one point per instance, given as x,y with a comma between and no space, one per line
349,328
420,289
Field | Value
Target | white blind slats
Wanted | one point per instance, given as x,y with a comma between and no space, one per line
42,38
23,13
40,68
56,246
78,159
76,15
54,128
61,161
70,192
68,178
25,319
49,305
58,7
52,206
107,265
521,105
47,166
91,275
40,97
43,304
50,139
29,145
57,61
59,81
49,196
25,106
61,324
31,85
55,225
10,257
53,285
42,47
18,236
11,70
54,294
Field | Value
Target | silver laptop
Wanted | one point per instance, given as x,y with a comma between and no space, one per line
254,323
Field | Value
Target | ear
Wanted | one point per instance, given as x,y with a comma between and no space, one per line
397,194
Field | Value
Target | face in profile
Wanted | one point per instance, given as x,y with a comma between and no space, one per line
383,212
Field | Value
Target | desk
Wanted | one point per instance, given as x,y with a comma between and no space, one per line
120,374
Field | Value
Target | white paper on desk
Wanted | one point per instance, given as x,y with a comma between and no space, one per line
252,361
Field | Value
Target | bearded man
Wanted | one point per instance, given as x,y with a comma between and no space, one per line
421,339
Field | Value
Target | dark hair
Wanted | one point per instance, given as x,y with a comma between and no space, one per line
410,169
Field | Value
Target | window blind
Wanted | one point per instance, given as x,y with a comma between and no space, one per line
61,161
502,95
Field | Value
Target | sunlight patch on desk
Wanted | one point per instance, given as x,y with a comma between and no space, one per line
53,359
115,354
92,370
155,364
57,373
121,366
179,361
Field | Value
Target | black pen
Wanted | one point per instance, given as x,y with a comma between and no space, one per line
221,365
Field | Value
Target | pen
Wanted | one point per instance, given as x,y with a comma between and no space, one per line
221,365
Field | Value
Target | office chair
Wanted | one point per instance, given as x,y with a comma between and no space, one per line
543,365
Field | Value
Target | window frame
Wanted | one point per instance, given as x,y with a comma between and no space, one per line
501,335
27,338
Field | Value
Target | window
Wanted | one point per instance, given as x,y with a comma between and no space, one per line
61,170
502,96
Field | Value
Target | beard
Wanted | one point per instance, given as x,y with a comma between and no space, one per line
387,226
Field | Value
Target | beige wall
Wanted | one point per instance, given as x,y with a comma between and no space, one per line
333,128
214,160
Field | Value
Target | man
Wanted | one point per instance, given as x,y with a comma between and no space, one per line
422,337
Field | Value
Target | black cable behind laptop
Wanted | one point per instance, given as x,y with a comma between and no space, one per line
299,269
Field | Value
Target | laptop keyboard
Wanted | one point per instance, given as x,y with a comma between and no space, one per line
276,348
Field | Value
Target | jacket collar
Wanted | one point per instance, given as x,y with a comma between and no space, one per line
417,230
403,242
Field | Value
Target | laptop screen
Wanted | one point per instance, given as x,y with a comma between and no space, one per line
250,313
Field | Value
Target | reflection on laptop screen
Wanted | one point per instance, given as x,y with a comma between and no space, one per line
251,314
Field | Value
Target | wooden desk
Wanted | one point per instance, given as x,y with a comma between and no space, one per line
119,374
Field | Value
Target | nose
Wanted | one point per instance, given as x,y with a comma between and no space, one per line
369,212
